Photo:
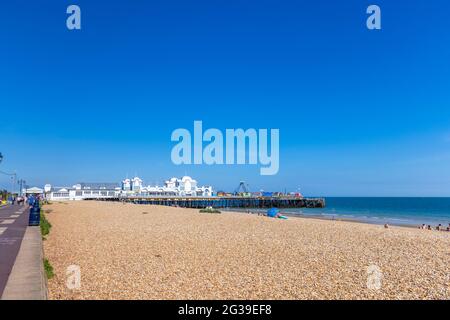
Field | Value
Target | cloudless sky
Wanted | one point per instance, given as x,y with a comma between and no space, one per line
360,112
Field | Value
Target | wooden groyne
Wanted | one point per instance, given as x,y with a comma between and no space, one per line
227,202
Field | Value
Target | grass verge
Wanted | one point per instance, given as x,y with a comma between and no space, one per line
48,269
45,226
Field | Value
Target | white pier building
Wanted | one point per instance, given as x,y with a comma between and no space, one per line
185,186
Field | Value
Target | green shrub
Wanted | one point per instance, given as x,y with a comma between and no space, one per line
209,210
48,269
45,226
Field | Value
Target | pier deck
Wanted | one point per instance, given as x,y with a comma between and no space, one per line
226,202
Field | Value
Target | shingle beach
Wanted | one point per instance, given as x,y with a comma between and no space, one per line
128,251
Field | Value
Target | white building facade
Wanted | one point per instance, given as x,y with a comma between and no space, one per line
184,187
174,187
82,191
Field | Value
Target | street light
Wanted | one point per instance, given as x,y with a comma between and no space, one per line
21,183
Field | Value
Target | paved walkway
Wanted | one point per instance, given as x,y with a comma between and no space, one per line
27,280
13,223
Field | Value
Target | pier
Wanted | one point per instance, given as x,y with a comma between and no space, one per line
225,202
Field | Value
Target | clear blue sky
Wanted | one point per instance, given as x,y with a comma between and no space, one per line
363,113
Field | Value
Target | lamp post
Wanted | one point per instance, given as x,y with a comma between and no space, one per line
21,183
13,184
12,175
1,158
1,193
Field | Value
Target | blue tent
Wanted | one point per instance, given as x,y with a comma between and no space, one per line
272,212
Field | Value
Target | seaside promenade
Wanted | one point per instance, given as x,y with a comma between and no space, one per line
21,256
13,223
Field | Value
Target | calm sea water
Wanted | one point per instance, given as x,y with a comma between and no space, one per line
396,211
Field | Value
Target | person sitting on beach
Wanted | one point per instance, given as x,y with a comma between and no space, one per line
386,226
429,227
438,228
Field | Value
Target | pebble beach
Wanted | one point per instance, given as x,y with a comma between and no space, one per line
128,251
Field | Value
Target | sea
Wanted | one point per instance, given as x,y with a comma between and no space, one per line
390,210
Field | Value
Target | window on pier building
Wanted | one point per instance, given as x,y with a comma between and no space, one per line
61,194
